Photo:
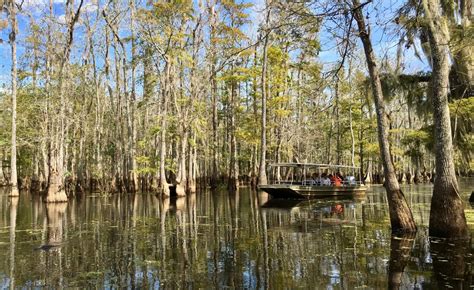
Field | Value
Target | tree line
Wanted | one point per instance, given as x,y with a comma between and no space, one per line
128,96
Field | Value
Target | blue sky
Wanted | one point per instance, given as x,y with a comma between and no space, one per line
380,11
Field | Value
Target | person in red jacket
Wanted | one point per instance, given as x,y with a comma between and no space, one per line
335,180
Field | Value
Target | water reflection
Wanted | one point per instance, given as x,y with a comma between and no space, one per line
400,248
13,215
217,240
53,244
54,216
452,263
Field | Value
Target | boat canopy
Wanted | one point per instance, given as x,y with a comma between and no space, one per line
315,165
304,172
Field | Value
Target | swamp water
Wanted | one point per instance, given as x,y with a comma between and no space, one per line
222,240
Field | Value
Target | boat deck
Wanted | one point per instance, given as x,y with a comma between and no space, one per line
309,191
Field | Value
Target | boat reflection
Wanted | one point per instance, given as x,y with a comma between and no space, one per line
307,215
281,203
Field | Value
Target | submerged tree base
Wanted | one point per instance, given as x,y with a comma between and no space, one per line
401,217
192,187
56,191
180,190
447,219
165,189
55,197
14,192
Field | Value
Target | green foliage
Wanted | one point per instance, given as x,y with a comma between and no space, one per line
372,149
462,114
463,108
417,142
305,119
144,165
412,88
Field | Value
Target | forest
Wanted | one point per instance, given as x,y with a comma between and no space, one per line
132,96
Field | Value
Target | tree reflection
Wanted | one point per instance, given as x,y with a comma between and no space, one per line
400,248
13,214
218,240
53,264
262,199
452,262
55,213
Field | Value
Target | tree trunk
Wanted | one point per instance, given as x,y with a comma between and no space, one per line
234,165
14,176
98,114
181,178
215,145
352,137
112,186
262,174
164,186
56,189
401,218
338,122
133,122
2,174
255,151
192,164
447,218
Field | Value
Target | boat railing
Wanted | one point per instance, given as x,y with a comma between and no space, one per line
311,182
313,174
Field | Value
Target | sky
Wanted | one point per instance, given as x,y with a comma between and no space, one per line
380,11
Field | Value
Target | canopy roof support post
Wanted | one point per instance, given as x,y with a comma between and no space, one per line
278,175
303,178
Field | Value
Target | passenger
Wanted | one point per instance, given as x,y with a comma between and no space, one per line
305,181
335,180
337,209
350,180
315,179
325,180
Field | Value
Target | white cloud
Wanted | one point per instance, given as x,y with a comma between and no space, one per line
40,3
61,19
90,7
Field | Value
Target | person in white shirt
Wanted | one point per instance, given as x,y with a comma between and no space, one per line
325,180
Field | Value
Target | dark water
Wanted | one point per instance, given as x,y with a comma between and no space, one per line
225,241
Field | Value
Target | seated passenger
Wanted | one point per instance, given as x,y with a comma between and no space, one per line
335,180
315,179
350,180
325,180
307,180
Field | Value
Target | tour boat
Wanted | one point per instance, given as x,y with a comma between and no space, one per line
308,180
